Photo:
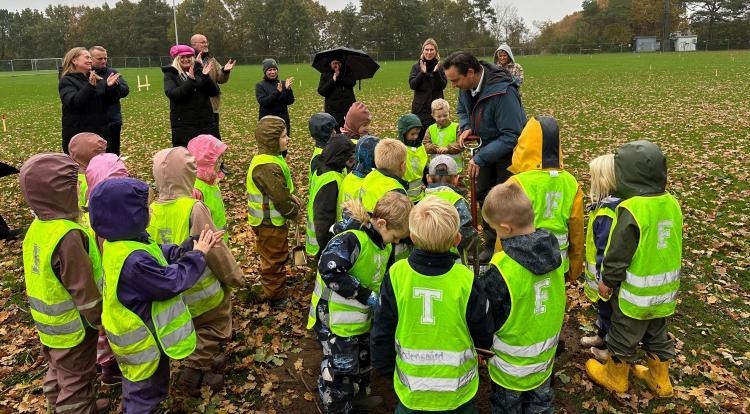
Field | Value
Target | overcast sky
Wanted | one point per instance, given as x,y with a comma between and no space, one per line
530,10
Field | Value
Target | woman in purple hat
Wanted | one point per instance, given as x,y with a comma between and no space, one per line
188,87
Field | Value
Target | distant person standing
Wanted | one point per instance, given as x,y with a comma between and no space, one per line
219,74
337,87
85,96
114,113
504,57
189,89
427,80
273,95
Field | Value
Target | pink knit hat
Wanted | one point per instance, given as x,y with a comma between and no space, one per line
357,116
103,167
207,149
181,50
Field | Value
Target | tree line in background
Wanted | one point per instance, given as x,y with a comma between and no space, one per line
301,27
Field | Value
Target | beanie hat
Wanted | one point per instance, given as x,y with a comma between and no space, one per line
268,64
357,116
181,50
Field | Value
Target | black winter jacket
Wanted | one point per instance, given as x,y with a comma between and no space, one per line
84,107
114,112
427,87
273,102
190,111
339,94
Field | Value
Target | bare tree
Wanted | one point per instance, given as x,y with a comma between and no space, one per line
510,27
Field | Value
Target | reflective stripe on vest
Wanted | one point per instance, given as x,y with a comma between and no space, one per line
259,206
213,200
170,223
55,314
133,343
349,317
318,182
349,190
591,273
374,186
552,194
525,345
443,137
653,277
416,160
436,363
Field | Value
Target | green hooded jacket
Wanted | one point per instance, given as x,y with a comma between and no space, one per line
640,170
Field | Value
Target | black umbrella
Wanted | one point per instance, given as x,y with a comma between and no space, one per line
358,63
6,169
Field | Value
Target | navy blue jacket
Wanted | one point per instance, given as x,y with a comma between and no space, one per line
496,115
114,112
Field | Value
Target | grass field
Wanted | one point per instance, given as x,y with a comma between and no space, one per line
695,106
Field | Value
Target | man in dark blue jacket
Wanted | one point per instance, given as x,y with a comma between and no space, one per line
488,106
114,114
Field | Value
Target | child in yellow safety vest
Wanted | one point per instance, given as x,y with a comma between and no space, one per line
175,216
270,203
555,194
525,284
351,185
409,126
62,269
143,313
441,137
435,313
601,218
322,204
345,298
322,126
390,165
209,155
82,148
641,272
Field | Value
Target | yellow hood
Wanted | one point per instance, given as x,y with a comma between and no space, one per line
538,147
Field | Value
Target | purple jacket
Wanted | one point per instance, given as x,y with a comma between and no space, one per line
118,210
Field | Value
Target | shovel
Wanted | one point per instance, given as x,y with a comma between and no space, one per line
299,256
472,143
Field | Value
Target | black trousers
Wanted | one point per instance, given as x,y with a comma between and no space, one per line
218,130
113,142
425,124
489,177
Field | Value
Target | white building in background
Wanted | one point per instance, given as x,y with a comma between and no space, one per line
684,42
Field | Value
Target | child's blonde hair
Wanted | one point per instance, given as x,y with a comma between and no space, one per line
507,203
434,224
603,181
390,155
440,104
393,207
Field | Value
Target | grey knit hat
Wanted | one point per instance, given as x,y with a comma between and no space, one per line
268,64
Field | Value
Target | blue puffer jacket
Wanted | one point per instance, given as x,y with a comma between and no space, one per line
496,115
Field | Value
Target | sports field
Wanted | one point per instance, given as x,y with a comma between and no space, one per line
695,106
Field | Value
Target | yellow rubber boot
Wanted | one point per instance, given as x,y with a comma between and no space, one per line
656,376
612,375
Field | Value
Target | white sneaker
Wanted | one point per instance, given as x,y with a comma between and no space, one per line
595,340
601,355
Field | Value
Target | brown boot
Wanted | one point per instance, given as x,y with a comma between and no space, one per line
219,363
215,381
190,382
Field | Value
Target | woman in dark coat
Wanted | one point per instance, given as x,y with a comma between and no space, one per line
188,87
273,95
427,80
337,87
84,96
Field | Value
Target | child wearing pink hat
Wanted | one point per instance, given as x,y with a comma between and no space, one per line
357,121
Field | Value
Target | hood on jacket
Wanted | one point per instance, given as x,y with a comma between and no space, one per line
85,146
102,167
365,155
504,47
538,146
174,173
640,169
405,123
118,209
336,154
267,134
321,126
538,252
356,116
207,149
49,182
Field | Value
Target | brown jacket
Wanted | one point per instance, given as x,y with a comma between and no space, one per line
219,76
50,185
174,172
269,178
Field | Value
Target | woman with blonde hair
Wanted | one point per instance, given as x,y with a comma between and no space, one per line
601,217
189,88
427,80
84,96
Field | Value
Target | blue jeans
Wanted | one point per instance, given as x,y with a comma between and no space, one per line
536,401
468,408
